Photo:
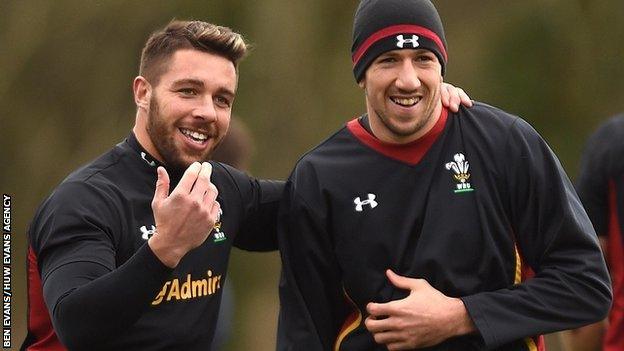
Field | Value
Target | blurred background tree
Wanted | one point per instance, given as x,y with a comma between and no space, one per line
65,92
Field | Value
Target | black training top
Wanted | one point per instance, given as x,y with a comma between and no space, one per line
601,188
103,286
472,207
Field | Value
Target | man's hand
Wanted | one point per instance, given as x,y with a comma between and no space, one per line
185,218
453,96
424,318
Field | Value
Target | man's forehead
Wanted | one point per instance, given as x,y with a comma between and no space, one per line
417,51
200,68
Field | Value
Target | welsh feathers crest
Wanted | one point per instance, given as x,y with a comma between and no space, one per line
219,235
460,168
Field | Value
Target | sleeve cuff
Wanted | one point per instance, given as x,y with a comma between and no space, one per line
146,258
479,320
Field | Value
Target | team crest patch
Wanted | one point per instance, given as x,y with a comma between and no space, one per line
459,166
219,235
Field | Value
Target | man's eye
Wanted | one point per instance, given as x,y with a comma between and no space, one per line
188,91
223,101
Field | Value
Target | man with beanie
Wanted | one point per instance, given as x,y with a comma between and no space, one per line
416,227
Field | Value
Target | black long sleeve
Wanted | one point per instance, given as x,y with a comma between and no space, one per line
571,286
313,305
90,294
90,303
94,283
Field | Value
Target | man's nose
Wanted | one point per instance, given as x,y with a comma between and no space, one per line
407,79
206,110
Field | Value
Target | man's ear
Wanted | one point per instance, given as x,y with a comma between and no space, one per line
142,92
362,84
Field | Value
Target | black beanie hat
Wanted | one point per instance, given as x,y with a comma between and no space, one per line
383,25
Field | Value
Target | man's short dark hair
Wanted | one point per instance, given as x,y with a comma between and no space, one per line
196,35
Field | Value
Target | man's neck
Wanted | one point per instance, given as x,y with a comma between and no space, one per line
140,131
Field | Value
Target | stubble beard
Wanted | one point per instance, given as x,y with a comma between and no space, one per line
420,124
162,136
400,132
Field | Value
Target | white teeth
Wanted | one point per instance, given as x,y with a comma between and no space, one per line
200,136
405,101
194,135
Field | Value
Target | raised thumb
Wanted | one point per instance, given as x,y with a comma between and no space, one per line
162,185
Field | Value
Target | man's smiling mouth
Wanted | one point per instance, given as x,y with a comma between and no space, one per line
197,137
405,102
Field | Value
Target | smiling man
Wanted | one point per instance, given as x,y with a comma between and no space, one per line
416,227
130,252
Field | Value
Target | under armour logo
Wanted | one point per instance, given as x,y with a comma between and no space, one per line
147,233
370,201
402,41
151,163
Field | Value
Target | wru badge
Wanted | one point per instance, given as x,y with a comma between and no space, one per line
460,173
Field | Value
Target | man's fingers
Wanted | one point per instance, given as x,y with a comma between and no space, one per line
401,345
188,179
162,185
465,99
389,337
444,94
214,212
375,325
381,310
400,281
452,97
203,181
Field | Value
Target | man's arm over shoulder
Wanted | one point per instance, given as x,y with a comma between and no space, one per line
313,305
75,236
554,238
259,199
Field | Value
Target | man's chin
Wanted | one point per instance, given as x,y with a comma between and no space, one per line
188,162
181,157
181,164
405,129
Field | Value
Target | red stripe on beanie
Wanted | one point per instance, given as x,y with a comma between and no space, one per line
398,29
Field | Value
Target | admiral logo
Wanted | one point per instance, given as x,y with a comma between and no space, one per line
176,289
359,204
460,168
401,41
147,233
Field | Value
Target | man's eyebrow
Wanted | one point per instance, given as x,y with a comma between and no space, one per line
388,53
192,81
227,92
